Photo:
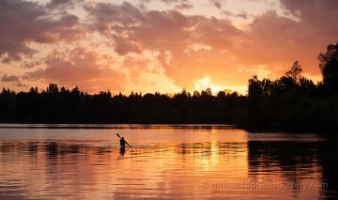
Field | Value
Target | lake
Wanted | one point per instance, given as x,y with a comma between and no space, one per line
165,162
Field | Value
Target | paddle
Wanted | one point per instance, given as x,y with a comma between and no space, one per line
118,135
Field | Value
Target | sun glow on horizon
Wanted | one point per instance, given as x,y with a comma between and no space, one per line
163,46
205,82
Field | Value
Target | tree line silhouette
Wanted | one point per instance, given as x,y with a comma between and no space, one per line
292,101
55,105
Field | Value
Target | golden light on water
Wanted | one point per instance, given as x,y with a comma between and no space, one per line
168,162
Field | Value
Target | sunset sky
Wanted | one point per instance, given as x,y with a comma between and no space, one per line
160,45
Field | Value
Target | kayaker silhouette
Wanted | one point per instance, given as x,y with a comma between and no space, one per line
123,143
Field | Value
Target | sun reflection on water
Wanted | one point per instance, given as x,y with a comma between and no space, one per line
169,163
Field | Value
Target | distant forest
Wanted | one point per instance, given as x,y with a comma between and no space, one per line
290,102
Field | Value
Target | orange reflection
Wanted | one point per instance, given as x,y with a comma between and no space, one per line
187,170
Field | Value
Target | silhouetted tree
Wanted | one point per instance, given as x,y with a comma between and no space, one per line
7,104
196,94
255,94
221,94
287,84
52,88
295,72
306,86
329,68
207,92
266,87
255,88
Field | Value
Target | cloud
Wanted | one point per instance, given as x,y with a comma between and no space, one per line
11,50
147,74
82,67
6,78
62,4
165,32
168,43
320,15
19,84
124,46
145,28
22,22
13,80
31,64
270,37
240,15
177,4
217,4
277,41
107,15
184,6
170,1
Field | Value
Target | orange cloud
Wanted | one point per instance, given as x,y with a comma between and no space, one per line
137,46
81,67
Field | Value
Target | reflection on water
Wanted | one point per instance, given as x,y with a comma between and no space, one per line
169,163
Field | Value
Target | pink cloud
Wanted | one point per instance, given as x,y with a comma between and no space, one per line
6,78
319,15
22,22
186,47
184,6
124,46
80,67
62,4
166,31
275,40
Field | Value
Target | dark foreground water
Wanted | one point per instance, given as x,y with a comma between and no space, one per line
165,162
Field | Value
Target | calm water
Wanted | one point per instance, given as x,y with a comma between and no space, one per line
165,162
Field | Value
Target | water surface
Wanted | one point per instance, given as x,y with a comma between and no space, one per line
165,162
